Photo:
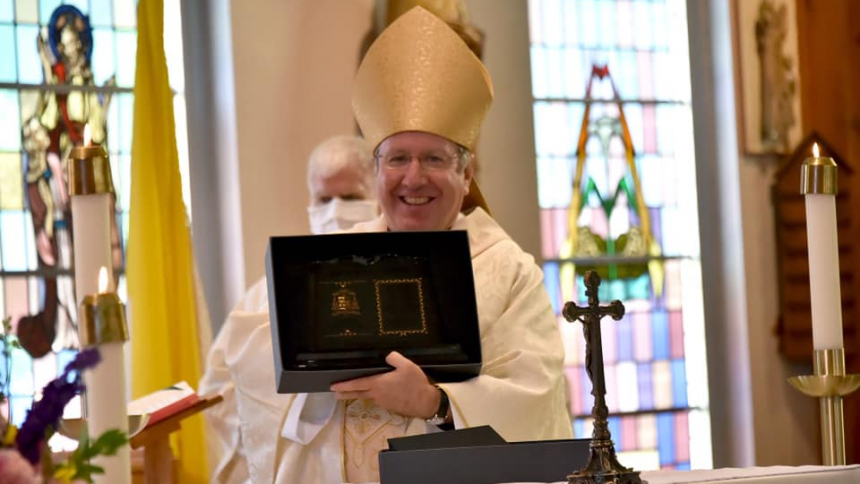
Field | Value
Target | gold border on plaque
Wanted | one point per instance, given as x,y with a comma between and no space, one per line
416,281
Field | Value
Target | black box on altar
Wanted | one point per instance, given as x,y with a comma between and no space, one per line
478,456
339,304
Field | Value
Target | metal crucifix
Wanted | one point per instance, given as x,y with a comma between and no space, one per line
603,467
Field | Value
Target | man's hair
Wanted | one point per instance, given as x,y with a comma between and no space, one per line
337,153
463,157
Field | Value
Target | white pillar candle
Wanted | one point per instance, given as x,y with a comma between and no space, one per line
91,190
825,293
818,183
103,325
91,230
107,405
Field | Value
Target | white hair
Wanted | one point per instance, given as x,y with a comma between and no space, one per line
337,153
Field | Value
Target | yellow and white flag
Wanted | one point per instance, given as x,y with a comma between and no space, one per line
165,339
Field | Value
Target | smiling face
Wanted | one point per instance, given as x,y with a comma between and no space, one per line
419,195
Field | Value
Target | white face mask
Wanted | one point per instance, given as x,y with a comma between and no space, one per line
340,214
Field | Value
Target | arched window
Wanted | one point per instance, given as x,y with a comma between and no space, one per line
616,187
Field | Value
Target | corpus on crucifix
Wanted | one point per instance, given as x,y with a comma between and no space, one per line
603,467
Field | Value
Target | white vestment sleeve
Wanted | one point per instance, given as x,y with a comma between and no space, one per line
520,391
308,414
224,442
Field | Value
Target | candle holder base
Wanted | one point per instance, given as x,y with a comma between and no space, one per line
603,467
829,383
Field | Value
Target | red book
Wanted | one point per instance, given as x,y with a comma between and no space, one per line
164,403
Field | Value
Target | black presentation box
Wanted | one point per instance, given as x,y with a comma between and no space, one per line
340,303
478,456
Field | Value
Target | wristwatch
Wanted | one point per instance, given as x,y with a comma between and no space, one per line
441,414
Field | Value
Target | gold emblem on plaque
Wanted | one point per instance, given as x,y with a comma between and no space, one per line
344,302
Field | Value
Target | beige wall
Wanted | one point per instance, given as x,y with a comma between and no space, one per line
294,63
508,176
786,422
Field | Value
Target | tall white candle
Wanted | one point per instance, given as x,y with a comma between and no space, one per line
825,293
91,230
91,190
823,246
107,409
103,325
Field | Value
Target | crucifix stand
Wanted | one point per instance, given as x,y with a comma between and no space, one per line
603,467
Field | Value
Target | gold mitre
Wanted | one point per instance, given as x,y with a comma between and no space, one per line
451,11
419,75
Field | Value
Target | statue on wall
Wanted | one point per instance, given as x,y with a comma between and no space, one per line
778,86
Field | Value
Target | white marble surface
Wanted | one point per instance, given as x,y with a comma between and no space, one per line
757,475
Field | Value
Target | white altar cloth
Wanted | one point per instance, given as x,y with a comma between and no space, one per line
756,475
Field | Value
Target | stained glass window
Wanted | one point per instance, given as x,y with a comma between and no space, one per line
616,187
63,65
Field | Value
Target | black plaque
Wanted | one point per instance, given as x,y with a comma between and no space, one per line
478,456
341,303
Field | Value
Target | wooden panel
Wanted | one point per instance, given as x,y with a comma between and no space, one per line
829,45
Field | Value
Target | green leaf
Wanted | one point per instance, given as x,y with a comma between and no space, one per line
110,441
107,444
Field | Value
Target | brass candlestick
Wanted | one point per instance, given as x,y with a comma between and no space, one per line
602,467
89,171
829,383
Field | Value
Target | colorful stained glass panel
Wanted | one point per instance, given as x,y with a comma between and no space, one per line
126,121
29,63
7,11
19,407
27,11
8,70
15,291
125,13
11,182
666,438
101,14
46,9
83,5
126,50
10,126
12,244
104,55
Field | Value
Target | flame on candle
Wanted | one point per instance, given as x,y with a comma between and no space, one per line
103,280
815,152
88,138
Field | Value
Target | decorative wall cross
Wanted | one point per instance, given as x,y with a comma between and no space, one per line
603,467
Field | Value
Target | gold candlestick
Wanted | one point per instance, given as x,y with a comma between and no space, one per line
89,171
829,383
102,320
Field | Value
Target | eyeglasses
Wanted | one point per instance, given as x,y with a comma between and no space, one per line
430,162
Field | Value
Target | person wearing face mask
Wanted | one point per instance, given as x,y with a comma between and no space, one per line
341,184
420,97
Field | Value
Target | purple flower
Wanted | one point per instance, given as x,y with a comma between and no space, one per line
87,358
44,417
